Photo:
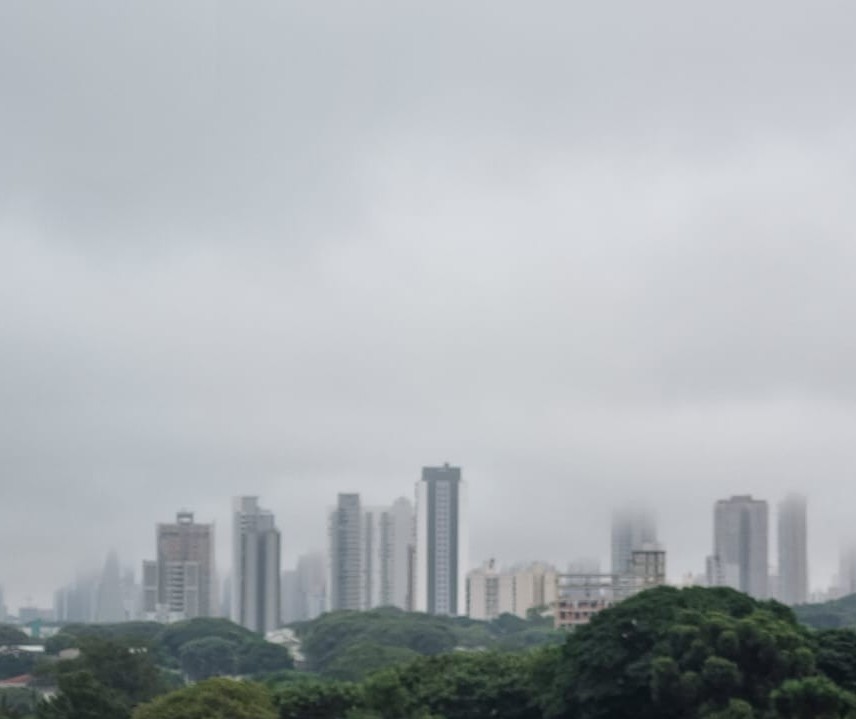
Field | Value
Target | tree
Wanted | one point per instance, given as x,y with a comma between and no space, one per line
261,657
210,657
82,696
316,700
216,698
10,636
812,698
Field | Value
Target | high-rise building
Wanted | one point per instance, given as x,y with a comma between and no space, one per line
347,583
256,574
847,570
793,551
740,553
632,528
110,605
180,584
3,610
441,542
396,542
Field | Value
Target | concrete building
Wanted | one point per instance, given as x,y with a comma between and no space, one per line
793,551
740,546
847,570
491,592
110,604
580,596
441,542
397,532
631,529
256,574
180,583
347,555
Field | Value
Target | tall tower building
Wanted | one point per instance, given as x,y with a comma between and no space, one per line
632,529
441,542
256,575
180,583
347,585
110,606
740,537
793,551
396,542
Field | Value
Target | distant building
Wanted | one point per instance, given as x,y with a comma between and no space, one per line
441,542
76,602
256,574
3,611
347,584
580,596
180,584
740,546
396,541
369,554
110,605
491,593
847,570
793,551
631,529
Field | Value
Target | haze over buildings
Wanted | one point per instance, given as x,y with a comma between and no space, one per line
740,546
256,572
793,550
593,252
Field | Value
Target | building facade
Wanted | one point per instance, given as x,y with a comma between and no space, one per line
441,542
632,528
793,551
347,555
740,546
256,575
181,582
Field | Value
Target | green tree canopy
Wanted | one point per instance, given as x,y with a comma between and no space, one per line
217,698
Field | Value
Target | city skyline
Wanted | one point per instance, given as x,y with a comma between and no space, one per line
675,576
288,250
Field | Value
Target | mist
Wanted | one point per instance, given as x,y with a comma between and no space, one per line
592,255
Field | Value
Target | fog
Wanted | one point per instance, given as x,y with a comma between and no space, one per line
593,253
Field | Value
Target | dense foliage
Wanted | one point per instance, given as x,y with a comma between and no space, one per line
663,654
352,645
200,648
835,614
10,635
212,699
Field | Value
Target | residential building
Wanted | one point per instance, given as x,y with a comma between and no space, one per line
793,551
740,546
180,583
110,605
491,592
441,542
256,574
396,542
847,570
631,529
347,551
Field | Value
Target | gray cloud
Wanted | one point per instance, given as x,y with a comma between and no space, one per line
590,253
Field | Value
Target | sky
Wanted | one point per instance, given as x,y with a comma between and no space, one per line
593,253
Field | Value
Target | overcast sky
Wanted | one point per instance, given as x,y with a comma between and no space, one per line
591,252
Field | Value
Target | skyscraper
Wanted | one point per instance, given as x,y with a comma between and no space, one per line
110,605
347,585
793,551
632,529
396,541
180,584
256,575
740,537
441,542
